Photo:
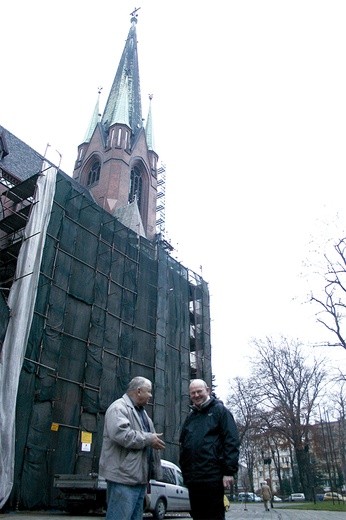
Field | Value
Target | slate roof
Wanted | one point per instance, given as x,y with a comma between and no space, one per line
21,161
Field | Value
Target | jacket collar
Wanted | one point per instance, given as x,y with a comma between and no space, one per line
204,406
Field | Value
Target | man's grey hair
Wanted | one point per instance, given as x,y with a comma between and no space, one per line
138,382
199,382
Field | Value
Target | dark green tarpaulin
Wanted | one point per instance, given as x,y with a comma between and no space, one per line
110,305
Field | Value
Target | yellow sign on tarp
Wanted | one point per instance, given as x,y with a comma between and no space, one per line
54,427
87,437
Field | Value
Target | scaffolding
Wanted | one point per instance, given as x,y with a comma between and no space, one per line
16,202
109,305
161,200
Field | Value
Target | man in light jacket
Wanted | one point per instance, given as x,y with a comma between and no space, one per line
130,452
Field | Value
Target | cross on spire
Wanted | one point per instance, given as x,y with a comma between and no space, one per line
135,11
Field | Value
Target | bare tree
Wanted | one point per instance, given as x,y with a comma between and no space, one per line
289,386
242,400
333,299
338,404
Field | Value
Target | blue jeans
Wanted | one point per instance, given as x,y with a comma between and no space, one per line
125,502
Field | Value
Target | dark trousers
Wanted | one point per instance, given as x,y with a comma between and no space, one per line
206,500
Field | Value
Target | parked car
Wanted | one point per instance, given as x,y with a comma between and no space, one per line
331,495
85,493
248,497
276,499
297,497
168,494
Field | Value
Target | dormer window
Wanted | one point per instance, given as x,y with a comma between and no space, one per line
94,173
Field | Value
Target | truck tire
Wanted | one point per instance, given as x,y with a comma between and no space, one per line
78,508
160,510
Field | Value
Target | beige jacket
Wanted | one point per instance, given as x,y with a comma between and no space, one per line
124,456
265,492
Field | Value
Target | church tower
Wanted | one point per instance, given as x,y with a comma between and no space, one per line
117,161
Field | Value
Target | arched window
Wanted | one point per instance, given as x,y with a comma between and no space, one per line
136,186
94,173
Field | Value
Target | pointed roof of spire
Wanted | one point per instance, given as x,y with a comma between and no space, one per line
94,119
149,128
126,78
121,113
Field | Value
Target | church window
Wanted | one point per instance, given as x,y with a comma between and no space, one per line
111,139
136,186
94,173
119,137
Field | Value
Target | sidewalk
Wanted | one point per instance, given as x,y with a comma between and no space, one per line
237,512
256,512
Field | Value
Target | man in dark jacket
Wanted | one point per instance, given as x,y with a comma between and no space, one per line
209,452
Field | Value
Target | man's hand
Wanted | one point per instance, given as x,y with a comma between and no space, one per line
227,481
157,443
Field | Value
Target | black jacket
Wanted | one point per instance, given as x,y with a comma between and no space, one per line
209,443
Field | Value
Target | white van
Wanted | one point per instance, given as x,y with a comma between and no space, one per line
168,494
248,497
85,493
297,497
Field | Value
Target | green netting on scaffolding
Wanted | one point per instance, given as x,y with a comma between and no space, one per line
110,305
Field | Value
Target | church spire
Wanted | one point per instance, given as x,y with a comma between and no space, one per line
117,161
94,119
127,77
149,128
121,113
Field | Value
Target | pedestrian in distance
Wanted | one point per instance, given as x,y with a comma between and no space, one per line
266,495
209,452
130,453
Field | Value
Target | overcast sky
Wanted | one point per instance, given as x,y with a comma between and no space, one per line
249,114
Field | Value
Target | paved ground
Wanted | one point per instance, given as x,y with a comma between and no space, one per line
237,512
257,512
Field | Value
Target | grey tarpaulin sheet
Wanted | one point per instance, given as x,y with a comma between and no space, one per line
21,303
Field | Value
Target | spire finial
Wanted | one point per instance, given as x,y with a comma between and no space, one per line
134,14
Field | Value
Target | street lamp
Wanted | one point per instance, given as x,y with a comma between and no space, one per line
268,461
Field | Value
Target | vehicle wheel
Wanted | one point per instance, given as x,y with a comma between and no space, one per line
160,510
78,508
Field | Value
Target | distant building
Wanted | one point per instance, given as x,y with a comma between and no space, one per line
90,297
325,456
328,454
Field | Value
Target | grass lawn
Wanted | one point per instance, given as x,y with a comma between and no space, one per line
319,506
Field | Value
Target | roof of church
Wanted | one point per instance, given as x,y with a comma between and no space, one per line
124,101
20,161
126,87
